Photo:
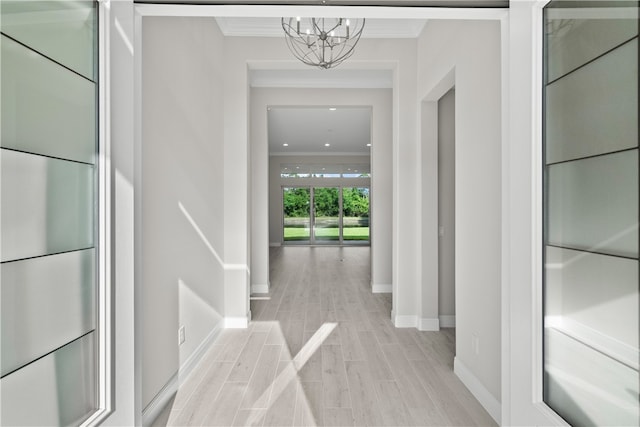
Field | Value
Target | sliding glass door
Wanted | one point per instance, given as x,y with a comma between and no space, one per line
325,215
296,203
355,214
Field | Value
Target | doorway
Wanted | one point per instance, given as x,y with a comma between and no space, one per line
446,211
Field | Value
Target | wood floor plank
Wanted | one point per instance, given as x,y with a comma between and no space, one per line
373,354
259,387
441,395
191,383
419,404
276,334
392,408
351,347
234,341
311,371
339,417
294,340
281,406
224,408
249,417
248,358
364,401
334,378
195,409
309,406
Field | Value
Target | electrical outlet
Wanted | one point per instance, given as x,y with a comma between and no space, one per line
181,336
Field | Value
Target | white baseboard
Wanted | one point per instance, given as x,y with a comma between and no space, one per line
236,322
275,244
429,325
160,401
405,321
381,288
447,320
479,391
260,289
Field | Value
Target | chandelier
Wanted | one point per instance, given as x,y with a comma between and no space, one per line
322,42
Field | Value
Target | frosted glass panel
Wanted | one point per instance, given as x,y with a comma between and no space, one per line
593,204
46,109
61,30
591,272
584,289
58,389
47,205
46,302
574,40
594,110
588,388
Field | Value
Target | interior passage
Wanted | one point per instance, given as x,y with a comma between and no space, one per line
321,350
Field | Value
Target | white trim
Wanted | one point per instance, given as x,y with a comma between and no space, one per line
505,327
429,325
447,320
260,289
275,244
272,27
381,288
479,391
189,365
278,11
236,322
160,401
104,330
405,321
521,315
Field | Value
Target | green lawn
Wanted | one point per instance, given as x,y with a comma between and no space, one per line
350,233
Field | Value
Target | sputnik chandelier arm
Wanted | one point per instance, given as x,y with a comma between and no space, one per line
322,42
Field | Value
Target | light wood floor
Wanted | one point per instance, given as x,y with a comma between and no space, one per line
322,351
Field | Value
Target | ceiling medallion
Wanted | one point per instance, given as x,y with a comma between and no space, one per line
322,42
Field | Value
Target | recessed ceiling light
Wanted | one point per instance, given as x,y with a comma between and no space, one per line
332,109
297,167
285,145
327,145
368,145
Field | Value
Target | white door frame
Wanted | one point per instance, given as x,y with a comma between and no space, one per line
521,191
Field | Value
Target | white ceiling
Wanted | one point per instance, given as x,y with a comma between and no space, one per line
305,129
308,129
272,27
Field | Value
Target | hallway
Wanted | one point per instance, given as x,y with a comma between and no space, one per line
321,350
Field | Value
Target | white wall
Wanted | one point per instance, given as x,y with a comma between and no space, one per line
266,188
471,61
182,192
